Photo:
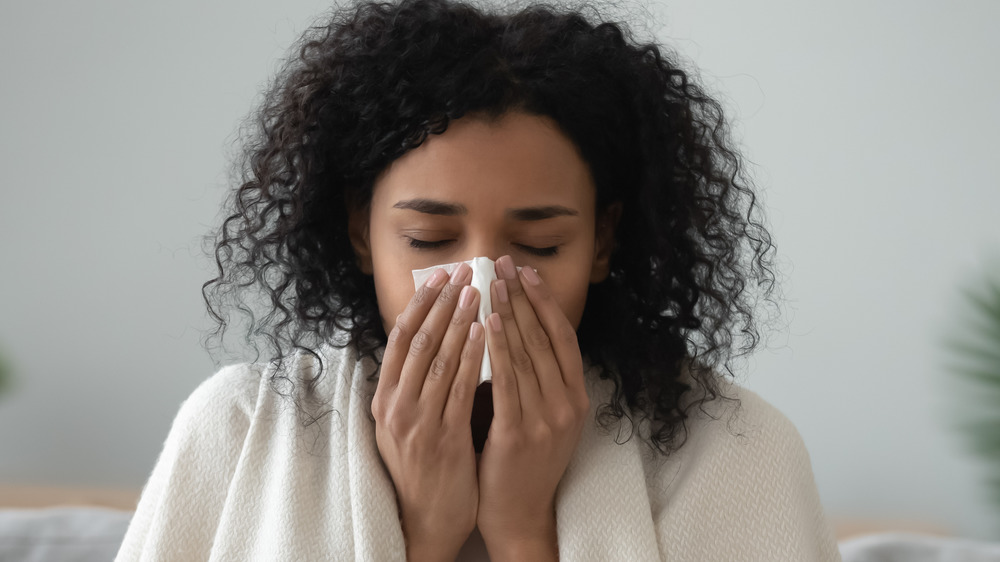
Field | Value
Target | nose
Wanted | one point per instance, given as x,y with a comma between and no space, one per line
486,245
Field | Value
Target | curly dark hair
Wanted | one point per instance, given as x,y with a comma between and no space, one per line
692,256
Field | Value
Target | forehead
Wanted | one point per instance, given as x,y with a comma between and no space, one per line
518,160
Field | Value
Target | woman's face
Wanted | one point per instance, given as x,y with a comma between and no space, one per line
516,186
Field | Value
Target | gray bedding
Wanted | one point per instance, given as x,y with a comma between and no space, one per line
92,534
61,534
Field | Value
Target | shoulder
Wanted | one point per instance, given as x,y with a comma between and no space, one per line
745,468
736,444
214,419
741,423
234,385
226,397
238,391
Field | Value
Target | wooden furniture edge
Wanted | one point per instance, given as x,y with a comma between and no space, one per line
31,496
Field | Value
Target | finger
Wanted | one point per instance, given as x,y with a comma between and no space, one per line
525,371
407,323
426,341
458,408
534,339
562,335
506,404
441,375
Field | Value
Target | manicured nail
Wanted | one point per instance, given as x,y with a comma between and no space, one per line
501,286
436,280
461,274
530,276
507,267
475,331
494,321
467,296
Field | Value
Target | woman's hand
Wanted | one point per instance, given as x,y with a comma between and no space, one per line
422,409
540,404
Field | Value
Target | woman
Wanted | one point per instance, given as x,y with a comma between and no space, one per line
628,252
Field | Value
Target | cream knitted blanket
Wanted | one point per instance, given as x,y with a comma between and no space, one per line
239,478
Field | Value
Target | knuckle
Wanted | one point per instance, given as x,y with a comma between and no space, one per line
386,415
378,408
396,425
564,419
460,392
566,335
400,330
541,433
506,314
422,295
537,338
520,360
449,293
421,342
439,368
457,319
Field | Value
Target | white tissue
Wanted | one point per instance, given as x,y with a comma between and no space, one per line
483,273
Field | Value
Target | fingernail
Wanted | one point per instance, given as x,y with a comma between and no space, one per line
436,280
530,276
494,321
475,331
501,286
466,298
461,274
507,267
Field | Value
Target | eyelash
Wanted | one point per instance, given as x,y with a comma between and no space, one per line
430,245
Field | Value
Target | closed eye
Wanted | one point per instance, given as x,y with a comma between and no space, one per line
434,244
427,244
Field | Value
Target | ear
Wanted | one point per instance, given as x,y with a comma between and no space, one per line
358,222
604,242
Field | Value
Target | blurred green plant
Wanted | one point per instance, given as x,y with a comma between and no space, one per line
976,355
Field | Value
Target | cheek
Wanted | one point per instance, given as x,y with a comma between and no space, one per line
570,291
572,304
393,293
392,275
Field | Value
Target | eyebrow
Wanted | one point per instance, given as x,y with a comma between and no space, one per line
433,207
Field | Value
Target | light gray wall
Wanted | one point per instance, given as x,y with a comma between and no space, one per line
872,128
